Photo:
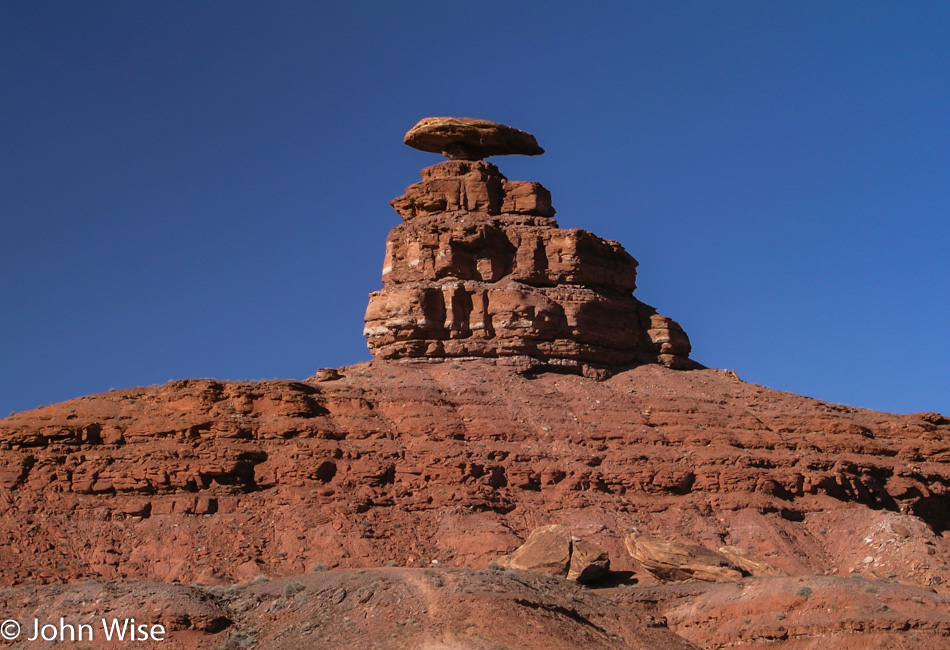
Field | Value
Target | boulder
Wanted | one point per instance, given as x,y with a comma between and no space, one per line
749,562
547,550
327,374
670,561
553,550
588,562
464,138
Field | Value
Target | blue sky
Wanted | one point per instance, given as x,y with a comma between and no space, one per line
200,189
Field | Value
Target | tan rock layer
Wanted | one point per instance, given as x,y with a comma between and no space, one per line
553,550
547,550
588,562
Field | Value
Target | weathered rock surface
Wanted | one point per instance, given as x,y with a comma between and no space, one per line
210,482
813,613
553,550
468,459
748,562
182,610
481,269
362,609
588,562
671,561
547,550
464,138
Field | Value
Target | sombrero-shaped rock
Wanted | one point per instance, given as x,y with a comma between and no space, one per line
464,138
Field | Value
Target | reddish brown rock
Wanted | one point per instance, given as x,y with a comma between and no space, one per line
218,483
356,609
464,138
481,269
467,460
812,612
183,611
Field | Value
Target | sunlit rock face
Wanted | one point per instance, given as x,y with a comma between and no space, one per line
480,268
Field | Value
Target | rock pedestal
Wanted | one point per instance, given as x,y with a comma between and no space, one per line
480,268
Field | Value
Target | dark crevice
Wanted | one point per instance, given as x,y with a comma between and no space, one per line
935,511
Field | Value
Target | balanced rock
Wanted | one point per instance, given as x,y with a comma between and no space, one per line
480,268
553,550
464,138
671,561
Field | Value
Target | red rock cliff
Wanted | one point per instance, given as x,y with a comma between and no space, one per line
480,268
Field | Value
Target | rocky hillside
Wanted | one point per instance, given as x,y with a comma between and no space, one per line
517,384
453,464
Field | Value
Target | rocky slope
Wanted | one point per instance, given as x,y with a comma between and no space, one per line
453,464
372,608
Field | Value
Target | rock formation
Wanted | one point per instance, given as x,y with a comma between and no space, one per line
219,483
462,138
553,550
269,513
480,268
671,561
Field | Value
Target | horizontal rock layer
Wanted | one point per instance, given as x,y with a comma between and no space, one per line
458,463
481,269
453,465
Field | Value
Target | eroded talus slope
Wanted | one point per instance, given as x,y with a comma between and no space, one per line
383,608
456,462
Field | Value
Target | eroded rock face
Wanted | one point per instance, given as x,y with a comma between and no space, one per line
480,268
217,483
211,481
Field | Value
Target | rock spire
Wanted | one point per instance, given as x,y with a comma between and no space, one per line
480,268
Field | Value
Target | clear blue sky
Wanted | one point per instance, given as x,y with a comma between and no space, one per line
199,189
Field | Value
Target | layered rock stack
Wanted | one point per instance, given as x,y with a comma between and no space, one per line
480,268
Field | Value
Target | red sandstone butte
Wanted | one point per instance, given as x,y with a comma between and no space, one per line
481,269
